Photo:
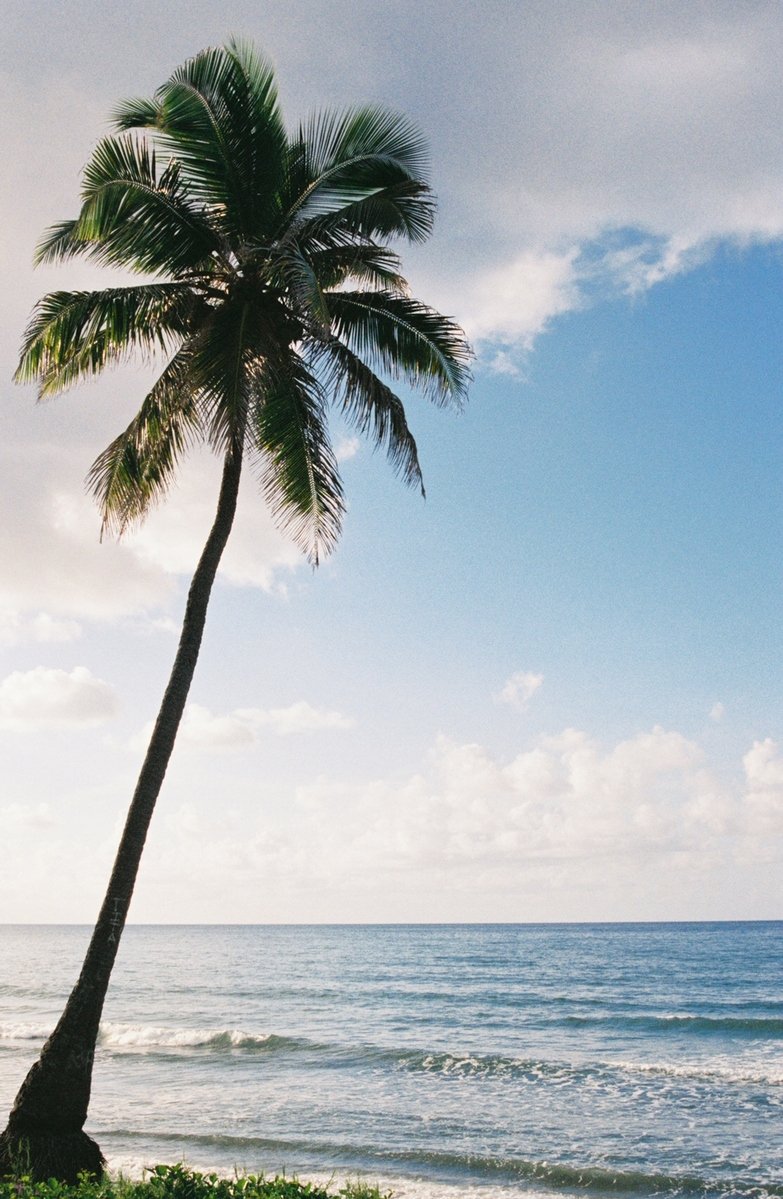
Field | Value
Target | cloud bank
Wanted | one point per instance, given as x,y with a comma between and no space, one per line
44,699
565,829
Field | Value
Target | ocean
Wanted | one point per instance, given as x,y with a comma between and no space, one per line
436,1060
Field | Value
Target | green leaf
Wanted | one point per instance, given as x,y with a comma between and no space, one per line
367,263
218,116
135,216
75,334
340,162
299,474
137,469
406,339
224,355
59,242
371,407
301,280
361,138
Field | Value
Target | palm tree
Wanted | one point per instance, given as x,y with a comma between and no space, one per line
273,294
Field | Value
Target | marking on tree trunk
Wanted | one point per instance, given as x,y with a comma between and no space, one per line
116,920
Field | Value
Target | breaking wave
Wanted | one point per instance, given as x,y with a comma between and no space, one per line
475,1167
115,1038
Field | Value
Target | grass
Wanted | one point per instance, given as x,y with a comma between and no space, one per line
179,1182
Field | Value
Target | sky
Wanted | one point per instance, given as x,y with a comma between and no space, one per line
549,692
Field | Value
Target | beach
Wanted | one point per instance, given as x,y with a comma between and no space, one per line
435,1060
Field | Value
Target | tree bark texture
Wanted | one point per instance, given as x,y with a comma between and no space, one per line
44,1136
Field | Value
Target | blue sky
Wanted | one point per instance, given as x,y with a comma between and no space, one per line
552,690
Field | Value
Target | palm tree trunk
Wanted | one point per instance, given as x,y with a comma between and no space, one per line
44,1136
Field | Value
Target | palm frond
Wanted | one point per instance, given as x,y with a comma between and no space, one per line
370,406
75,334
363,137
404,209
339,161
301,280
61,241
299,474
224,353
406,339
363,262
136,113
218,116
135,471
135,216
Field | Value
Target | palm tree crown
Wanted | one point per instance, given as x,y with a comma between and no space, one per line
275,290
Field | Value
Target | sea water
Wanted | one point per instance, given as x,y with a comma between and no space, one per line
642,1059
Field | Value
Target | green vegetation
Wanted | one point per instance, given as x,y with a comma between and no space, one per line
178,1182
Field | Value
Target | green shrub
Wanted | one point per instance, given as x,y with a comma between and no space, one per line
179,1182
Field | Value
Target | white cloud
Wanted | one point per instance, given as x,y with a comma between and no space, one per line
15,629
764,766
513,303
300,717
638,266
717,712
347,448
565,799
43,698
163,624
764,797
32,816
202,728
565,829
59,564
56,562
519,689
46,628
244,726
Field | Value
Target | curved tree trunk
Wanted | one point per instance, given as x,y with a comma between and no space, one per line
44,1137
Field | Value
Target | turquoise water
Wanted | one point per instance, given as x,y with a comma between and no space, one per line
508,1059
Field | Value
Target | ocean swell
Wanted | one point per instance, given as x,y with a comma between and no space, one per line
471,1167
152,1040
